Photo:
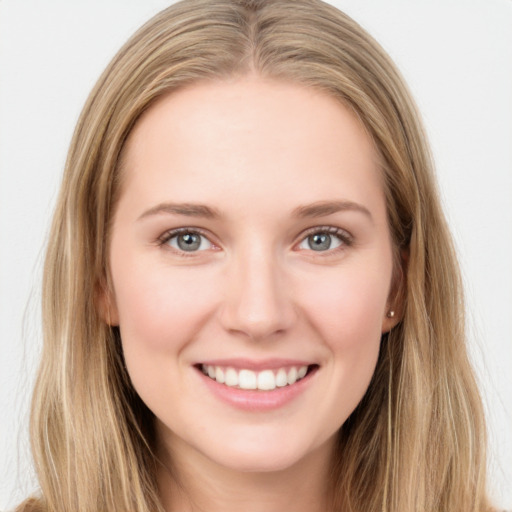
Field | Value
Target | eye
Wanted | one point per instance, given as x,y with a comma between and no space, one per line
325,239
186,240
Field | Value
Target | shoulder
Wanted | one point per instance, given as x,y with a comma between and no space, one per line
30,505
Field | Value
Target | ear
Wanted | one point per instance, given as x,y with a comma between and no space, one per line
106,304
395,306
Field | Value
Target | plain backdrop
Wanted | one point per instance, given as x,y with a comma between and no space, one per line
457,58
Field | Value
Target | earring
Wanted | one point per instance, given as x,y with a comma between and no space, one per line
390,314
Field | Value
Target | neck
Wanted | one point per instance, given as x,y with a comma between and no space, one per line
197,484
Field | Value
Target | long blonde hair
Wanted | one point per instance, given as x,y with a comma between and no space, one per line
416,442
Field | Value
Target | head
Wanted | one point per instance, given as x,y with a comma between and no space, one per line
417,410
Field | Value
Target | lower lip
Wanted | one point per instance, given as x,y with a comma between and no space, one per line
257,400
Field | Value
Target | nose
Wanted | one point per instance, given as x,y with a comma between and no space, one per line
257,303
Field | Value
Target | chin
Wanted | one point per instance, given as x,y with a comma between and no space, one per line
265,454
255,463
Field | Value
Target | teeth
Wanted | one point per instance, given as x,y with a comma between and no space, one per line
219,375
281,378
292,376
231,378
247,379
266,380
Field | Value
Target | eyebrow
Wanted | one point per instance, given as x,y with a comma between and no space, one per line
186,209
318,209
324,208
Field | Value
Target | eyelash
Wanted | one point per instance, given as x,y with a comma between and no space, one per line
169,235
345,238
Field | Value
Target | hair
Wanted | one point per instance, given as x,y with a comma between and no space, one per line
416,442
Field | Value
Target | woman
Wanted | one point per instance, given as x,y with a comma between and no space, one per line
250,296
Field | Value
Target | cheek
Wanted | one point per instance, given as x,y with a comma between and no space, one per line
160,312
347,314
348,308
160,308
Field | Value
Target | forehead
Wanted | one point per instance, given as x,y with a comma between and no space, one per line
250,137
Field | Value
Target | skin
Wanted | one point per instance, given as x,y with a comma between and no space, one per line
255,151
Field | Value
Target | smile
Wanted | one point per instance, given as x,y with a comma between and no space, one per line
265,380
257,386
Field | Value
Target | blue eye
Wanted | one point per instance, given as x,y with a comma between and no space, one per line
324,240
188,241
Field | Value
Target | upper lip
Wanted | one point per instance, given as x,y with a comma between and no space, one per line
256,365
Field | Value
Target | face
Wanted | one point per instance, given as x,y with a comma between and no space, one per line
251,265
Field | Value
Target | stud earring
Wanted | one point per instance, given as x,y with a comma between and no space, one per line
390,314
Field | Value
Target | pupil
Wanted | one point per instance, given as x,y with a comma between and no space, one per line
320,242
189,242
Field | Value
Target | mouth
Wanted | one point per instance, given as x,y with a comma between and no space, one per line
257,386
266,379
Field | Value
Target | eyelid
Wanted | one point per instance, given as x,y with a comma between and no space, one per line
346,238
171,233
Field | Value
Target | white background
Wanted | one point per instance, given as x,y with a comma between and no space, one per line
456,56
